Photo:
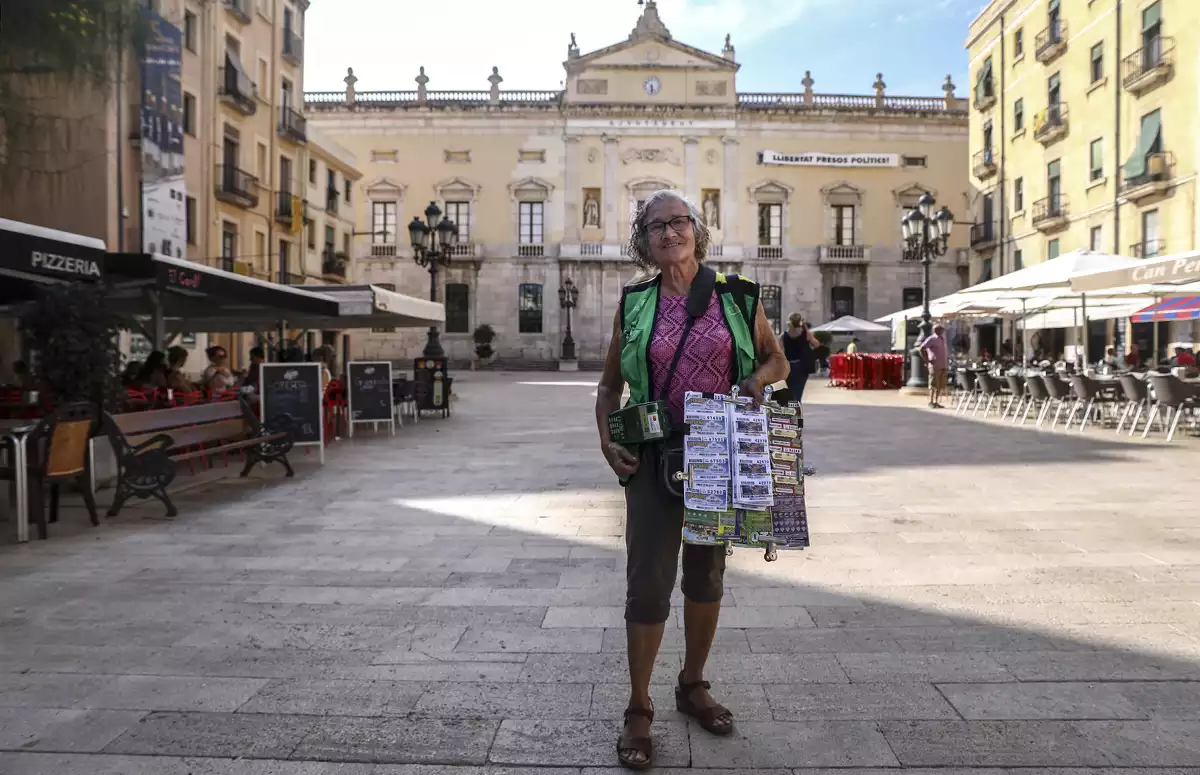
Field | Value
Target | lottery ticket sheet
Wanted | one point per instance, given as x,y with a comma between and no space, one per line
745,473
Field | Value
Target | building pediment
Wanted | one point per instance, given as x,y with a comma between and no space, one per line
768,190
910,192
385,188
654,52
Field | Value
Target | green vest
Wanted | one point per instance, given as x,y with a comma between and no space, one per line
639,305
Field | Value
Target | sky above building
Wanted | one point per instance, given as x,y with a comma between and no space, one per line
843,42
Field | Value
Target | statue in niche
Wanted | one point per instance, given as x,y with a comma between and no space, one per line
712,209
591,210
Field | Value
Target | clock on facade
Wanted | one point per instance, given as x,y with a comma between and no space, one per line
652,85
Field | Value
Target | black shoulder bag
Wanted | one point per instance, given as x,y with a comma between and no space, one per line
670,450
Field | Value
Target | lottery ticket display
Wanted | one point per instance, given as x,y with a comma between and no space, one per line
743,469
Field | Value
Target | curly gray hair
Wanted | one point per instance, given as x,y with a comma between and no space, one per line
639,236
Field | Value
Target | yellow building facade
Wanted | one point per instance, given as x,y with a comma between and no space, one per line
803,191
1082,134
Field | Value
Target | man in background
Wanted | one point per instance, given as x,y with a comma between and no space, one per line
936,353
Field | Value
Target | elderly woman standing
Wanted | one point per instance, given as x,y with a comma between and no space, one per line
729,341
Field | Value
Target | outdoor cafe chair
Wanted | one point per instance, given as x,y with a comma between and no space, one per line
1038,398
57,452
990,388
1088,392
967,390
1059,395
1137,399
1175,396
1016,396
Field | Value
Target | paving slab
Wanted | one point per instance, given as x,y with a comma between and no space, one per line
450,602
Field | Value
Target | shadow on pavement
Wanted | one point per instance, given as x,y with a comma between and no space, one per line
453,597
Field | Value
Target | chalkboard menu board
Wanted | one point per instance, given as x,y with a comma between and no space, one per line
370,393
293,389
429,383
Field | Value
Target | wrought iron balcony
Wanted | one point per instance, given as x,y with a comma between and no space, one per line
1051,42
1051,124
1148,248
285,207
983,235
331,200
293,47
1155,178
1050,214
240,9
1149,66
292,124
236,186
236,89
985,163
987,98
333,264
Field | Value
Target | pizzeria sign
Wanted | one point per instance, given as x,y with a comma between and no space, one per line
818,159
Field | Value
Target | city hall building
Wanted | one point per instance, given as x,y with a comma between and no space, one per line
803,191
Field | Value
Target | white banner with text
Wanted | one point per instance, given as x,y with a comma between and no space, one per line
818,159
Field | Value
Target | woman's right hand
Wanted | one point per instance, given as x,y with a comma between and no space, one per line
620,460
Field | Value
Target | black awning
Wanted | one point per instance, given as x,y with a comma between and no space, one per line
35,254
195,297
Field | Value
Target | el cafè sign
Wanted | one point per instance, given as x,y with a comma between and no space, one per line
819,159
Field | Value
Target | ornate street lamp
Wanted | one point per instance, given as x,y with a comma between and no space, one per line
926,237
568,297
432,243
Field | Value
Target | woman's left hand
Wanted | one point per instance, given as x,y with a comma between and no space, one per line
749,387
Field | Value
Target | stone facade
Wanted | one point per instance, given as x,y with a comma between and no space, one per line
543,184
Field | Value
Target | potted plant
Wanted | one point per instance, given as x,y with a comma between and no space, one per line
484,336
74,339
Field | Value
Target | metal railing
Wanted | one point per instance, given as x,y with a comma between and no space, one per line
292,124
240,9
1160,167
236,185
1050,42
333,264
293,46
285,206
1050,208
984,163
1159,54
1148,248
983,233
987,98
237,88
1050,120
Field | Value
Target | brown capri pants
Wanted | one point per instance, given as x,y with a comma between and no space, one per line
653,522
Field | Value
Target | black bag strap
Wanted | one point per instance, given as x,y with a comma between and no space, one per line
699,294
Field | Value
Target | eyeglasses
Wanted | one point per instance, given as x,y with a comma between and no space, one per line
677,224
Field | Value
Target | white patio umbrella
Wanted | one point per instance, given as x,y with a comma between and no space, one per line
848,324
1175,269
1054,273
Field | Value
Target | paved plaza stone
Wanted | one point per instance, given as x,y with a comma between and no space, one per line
978,598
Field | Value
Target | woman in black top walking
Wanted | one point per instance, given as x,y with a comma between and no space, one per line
798,346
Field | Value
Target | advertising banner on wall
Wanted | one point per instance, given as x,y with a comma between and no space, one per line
818,159
163,189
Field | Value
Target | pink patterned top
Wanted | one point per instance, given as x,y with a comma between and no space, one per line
707,361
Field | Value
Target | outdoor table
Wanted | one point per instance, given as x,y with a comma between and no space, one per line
15,433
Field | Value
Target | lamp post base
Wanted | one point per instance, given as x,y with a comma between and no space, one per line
433,347
918,376
568,349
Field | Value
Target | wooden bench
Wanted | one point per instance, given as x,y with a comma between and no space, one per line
149,445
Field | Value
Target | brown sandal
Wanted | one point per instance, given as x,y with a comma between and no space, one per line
642,745
708,717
